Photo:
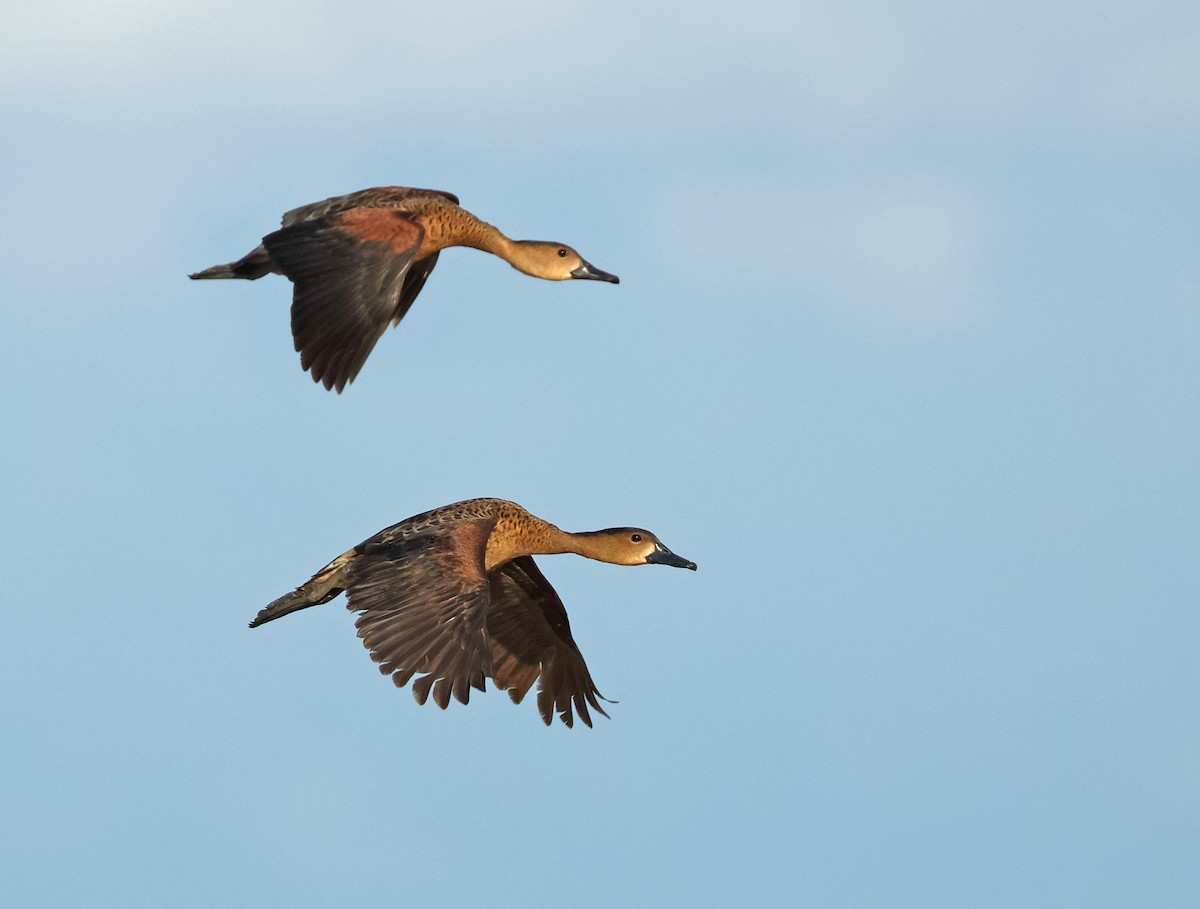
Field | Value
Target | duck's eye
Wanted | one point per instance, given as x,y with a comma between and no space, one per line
635,538
562,253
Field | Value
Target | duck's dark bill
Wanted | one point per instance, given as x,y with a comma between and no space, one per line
664,556
587,270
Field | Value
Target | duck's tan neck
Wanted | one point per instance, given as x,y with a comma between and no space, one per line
454,226
482,235
522,535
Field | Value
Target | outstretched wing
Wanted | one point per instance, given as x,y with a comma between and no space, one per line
350,271
531,637
423,601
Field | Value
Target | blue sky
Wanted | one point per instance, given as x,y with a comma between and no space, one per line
904,355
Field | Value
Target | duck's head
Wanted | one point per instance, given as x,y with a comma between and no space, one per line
556,262
633,546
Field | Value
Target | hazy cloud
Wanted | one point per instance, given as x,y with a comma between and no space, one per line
1163,82
892,256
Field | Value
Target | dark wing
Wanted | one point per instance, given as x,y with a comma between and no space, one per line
423,602
530,636
349,270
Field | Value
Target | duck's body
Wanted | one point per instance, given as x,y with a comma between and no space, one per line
358,261
454,596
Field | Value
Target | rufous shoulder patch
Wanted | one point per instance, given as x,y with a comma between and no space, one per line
381,225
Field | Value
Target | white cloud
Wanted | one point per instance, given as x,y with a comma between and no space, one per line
475,58
807,65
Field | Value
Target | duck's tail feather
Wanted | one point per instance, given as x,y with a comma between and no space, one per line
320,588
250,267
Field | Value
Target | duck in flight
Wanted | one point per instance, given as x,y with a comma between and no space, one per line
358,261
454,597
